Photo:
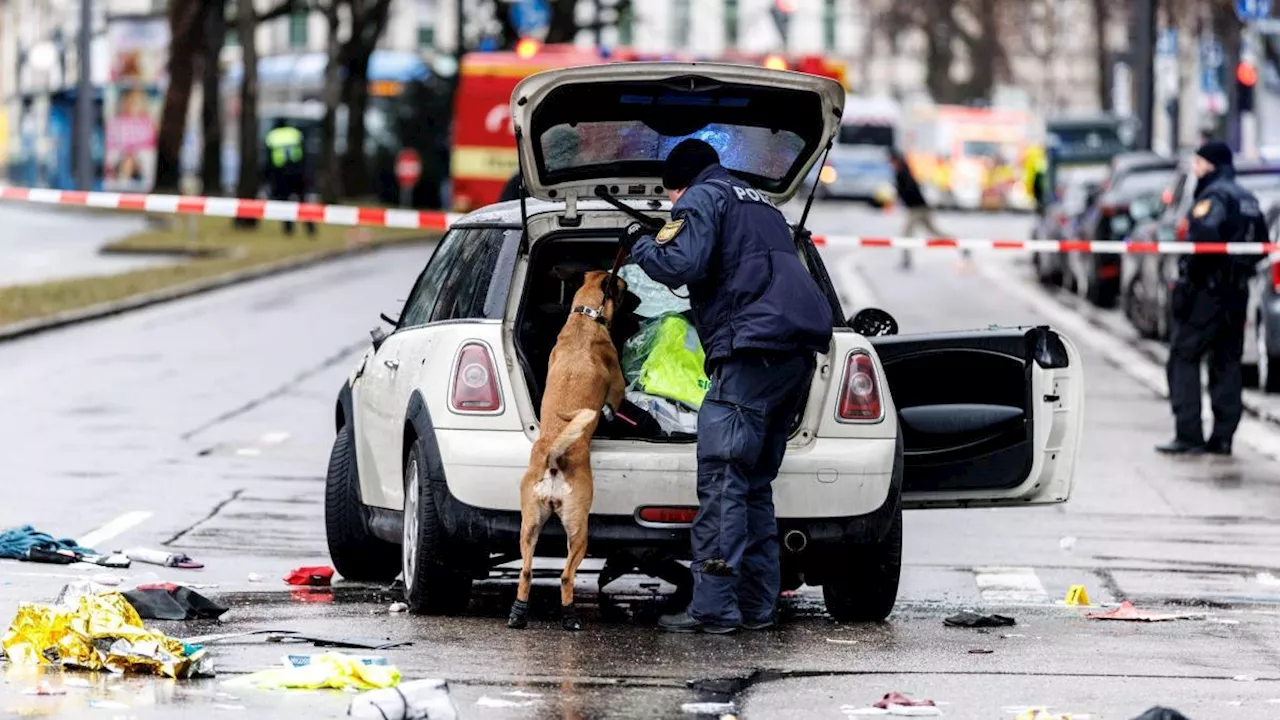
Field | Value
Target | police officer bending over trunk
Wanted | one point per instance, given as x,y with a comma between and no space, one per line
1209,306
761,317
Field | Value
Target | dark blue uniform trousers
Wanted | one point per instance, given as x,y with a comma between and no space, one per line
742,434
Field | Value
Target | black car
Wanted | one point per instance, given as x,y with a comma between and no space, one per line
1146,278
1262,338
1096,276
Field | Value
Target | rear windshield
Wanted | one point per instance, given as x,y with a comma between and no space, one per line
853,134
1144,182
755,150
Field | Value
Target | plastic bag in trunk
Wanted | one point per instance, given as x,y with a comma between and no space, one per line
665,359
671,416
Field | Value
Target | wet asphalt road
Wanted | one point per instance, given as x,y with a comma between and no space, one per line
43,243
204,426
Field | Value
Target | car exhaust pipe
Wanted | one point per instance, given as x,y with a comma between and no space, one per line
795,541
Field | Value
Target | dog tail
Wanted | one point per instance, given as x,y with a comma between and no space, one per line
571,434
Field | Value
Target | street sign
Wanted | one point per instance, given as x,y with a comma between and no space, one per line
408,168
1251,10
529,16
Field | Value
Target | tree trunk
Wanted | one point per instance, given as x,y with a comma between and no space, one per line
369,20
1102,55
940,55
563,26
330,170
250,174
186,33
215,36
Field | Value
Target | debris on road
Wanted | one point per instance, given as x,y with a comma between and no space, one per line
161,557
1267,578
707,708
898,704
44,688
413,700
980,651
489,702
318,576
1128,612
305,660
1161,713
103,632
255,578
168,601
1077,595
974,620
838,641
1067,543
330,670
357,643
219,637
398,607
17,544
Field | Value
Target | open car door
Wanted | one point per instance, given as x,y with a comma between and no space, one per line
987,418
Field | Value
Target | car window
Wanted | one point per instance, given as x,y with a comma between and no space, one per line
422,300
466,283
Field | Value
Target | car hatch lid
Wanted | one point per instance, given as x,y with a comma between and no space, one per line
613,125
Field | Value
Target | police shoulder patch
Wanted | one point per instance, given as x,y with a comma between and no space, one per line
669,232
1202,208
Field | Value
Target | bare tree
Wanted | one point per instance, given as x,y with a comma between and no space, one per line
368,22
186,32
215,36
330,171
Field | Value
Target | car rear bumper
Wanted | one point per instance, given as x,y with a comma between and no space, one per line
825,477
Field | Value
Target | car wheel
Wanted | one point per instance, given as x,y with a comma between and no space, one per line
356,554
436,582
1268,356
864,587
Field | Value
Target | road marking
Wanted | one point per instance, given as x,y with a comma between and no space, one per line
1251,432
1010,585
93,538
274,438
248,452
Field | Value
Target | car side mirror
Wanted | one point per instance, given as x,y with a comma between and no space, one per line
379,336
871,322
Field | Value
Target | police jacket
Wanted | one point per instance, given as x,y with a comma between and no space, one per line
1223,212
748,289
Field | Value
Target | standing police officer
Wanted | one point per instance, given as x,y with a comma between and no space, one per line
761,317
286,168
1209,306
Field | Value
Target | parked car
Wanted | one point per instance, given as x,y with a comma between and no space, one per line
855,172
1147,278
1262,335
436,422
1059,223
1096,276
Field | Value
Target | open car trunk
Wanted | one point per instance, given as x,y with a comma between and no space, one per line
556,266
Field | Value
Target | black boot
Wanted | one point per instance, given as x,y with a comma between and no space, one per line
569,619
519,617
1217,446
1181,447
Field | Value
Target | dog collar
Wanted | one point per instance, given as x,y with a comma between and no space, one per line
593,313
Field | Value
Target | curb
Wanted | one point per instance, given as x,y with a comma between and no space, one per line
177,292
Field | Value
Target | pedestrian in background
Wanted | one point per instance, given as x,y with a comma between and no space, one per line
1209,302
919,214
286,168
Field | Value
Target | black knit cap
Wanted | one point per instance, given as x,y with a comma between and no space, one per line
1218,153
686,160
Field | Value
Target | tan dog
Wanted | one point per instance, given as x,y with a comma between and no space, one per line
583,376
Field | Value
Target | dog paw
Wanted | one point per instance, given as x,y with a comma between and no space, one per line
519,617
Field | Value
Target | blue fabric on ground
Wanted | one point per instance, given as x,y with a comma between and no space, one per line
15,542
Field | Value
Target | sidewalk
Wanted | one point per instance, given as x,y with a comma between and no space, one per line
40,244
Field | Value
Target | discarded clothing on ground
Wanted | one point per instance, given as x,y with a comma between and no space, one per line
336,641
413,700
974,620
1161,713
895,703
1128,612
317,576
665,358
168,601
18,544
330,670
101,632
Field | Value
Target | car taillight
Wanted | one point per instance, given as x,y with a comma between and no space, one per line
475,384
859,393
668,515
1275,274
1181,229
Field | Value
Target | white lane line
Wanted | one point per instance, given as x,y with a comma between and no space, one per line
93,538
1251,432
1010,585
274,438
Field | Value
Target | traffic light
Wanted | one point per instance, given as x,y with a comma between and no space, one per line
1246,79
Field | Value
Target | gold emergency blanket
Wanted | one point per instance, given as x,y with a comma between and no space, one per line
97,632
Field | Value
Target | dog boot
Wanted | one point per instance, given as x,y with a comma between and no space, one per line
569,619
519,618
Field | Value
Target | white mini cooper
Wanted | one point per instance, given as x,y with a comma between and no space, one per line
435,424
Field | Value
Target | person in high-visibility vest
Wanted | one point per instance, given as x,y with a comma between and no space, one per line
1035,170
286,167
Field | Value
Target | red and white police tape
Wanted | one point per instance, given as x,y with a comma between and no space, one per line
435,220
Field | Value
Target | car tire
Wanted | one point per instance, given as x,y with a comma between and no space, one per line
1268,360
356,554
437,581
864,587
